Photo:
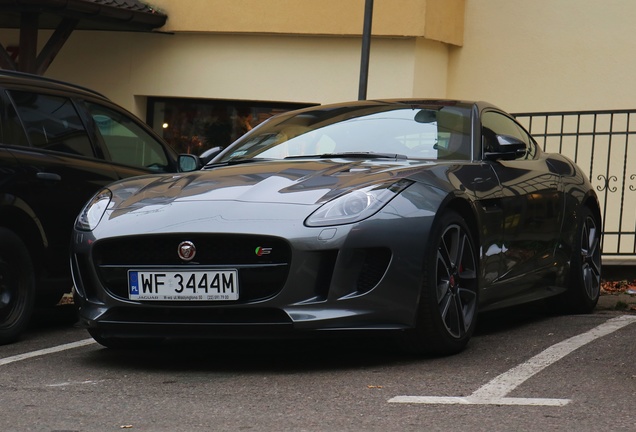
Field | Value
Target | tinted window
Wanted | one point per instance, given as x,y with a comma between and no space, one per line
126,142
12,131
52,123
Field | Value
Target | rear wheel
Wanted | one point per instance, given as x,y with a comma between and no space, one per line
584,285
17,286
447,310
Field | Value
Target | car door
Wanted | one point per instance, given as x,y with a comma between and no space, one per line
57,169
532,205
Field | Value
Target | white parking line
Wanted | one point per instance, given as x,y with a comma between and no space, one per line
495,391
45,351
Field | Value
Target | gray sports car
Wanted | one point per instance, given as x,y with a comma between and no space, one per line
401,217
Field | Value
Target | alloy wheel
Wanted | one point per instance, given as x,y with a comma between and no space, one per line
591,258
456,281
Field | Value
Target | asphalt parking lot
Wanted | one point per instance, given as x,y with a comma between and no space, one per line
523,370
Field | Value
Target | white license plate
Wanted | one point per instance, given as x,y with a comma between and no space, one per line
201,285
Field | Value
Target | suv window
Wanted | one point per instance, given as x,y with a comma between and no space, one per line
12,131
52,123
126,142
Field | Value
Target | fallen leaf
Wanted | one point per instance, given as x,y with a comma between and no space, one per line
617,286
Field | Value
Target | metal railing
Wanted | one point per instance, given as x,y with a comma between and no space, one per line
602,143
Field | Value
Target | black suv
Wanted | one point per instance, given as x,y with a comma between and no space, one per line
59,144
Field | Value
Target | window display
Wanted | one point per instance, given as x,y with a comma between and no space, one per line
194,125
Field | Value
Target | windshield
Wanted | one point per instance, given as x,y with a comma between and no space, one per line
441,132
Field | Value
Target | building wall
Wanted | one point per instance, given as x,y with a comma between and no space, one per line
248,67
522,55
544,55
275,50
440,20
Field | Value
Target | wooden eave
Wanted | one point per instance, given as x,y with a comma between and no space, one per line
65,16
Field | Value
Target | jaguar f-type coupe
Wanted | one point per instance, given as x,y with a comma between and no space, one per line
401,217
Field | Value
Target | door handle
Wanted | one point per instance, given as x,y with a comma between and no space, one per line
48,176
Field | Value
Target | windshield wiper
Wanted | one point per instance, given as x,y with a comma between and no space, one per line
343,155
352,155
236,162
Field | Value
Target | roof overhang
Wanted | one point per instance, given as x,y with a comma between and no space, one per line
64,17
109,15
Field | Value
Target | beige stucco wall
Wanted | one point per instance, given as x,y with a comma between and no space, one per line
128,67
547,54
440,20
267,50
522,55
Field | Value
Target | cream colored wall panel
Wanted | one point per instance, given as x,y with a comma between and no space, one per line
436,19
391,69
445,21
273,68
547,55
431,69
250,68
521,55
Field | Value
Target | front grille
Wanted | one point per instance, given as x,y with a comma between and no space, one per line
261,275
212,249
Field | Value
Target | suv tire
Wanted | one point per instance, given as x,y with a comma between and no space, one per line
17,286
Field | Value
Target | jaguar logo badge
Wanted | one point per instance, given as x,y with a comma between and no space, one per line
186,250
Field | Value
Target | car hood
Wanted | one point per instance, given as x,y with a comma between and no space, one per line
286,182
272,198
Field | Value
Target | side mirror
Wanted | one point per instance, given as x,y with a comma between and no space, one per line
209,154
188,162
508,148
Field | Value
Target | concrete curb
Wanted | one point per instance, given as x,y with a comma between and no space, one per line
617,302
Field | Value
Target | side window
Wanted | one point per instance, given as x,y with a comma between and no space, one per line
494,123
12,131
52,123
126,142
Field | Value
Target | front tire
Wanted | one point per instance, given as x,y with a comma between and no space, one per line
447,310
17,286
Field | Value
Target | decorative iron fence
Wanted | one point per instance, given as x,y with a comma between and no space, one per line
602,143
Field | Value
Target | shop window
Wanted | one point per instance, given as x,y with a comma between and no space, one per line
196,125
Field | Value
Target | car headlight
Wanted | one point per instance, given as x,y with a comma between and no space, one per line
356,205
93,211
